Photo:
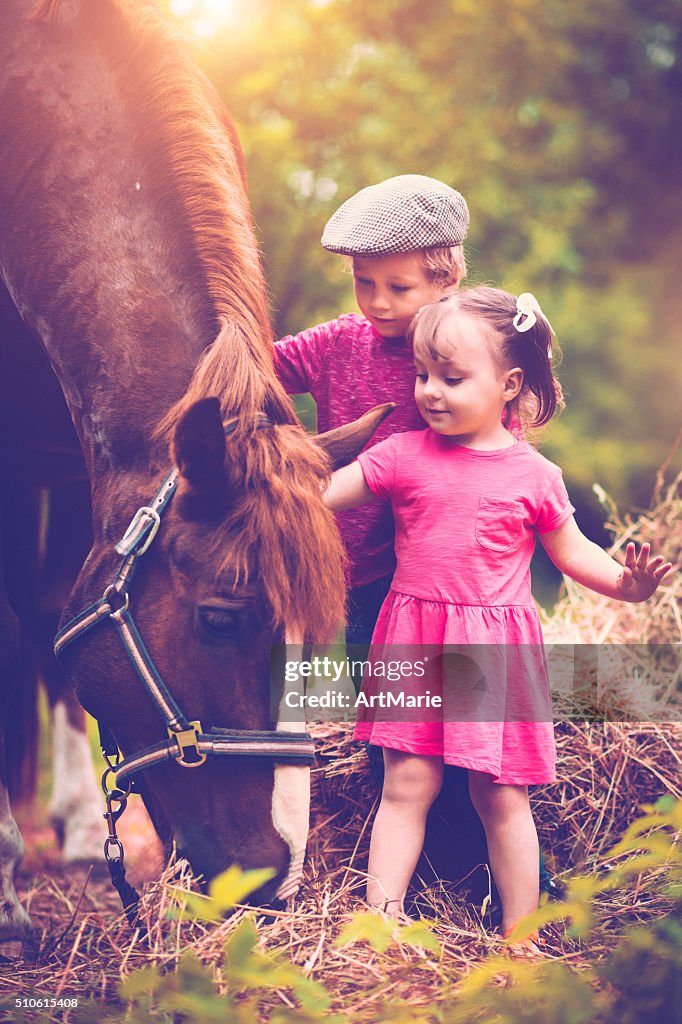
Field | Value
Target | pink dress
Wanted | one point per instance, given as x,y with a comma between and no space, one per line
465,525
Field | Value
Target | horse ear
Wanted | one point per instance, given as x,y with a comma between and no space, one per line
199,444
343,444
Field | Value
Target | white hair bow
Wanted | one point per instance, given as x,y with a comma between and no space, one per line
528,307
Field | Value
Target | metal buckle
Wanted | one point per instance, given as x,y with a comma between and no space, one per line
188,742
138,530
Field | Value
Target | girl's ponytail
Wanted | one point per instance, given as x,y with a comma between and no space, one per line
530,347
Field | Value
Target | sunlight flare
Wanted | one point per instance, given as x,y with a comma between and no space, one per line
205,17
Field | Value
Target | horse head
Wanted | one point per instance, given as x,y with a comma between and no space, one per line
223,584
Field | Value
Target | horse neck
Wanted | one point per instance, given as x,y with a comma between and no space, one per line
123,360
99,254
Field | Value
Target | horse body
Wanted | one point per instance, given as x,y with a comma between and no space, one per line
126,247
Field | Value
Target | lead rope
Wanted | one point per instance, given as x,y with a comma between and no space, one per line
117,801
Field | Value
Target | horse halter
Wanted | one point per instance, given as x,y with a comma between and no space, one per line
187,743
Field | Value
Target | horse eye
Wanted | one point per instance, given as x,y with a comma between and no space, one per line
220,623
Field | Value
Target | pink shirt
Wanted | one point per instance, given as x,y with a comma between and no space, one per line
348,369
465,520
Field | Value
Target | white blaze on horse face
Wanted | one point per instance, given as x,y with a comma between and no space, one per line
291,797
76,807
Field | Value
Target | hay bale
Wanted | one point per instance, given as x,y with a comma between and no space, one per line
587,618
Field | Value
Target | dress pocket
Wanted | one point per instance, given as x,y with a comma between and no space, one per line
499,524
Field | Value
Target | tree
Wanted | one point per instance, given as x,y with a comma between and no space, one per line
556,123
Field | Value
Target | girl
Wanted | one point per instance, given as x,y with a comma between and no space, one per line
468,499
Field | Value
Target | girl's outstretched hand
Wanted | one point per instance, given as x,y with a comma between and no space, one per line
641,575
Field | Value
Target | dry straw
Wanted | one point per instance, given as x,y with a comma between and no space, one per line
607,771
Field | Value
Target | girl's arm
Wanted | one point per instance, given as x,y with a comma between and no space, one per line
347,489
587,563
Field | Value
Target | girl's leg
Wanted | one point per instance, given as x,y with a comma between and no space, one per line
512,844
411,784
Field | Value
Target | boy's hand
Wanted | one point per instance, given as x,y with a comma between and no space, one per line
641,575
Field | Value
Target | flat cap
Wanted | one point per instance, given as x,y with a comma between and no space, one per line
410,211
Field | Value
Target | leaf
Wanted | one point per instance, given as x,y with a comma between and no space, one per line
247,967
233,885
372,928
419,934
194,978
145,980
311,994
285,1015
660,847
665,804
582,919
240,946
540,917
194,906
224,893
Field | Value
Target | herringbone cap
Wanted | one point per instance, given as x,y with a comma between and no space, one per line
410,211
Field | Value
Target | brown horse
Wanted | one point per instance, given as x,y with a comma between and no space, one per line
126,247
45,517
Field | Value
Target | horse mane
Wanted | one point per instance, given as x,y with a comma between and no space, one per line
45,9
200,166
279,530
278,520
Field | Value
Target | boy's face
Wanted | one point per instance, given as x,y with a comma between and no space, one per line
390,289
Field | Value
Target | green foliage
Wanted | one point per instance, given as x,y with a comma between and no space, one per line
190,992
224,893
381,932
545,993
553,119
648,846
636,983
645,975
246,968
